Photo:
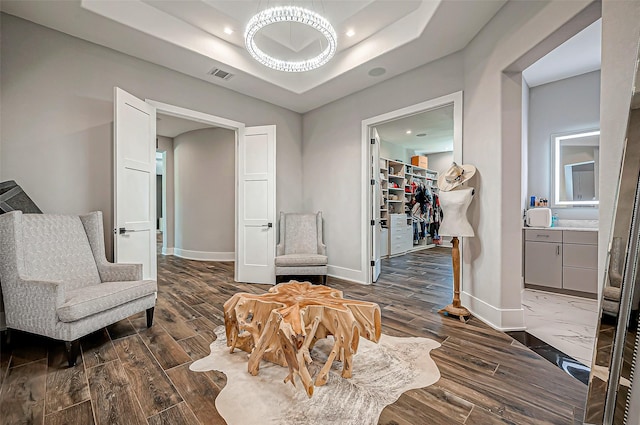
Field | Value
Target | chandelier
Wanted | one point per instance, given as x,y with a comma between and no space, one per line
290,14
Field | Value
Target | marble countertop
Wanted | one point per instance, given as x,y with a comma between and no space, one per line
577,229
566,224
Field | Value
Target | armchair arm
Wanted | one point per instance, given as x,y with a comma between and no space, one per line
31,305
110,272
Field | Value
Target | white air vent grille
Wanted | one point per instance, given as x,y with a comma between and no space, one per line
217,72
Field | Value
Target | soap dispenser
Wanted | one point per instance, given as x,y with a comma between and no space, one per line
554,220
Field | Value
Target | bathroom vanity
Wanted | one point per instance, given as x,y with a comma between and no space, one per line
561,259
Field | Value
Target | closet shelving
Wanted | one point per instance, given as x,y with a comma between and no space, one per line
396,178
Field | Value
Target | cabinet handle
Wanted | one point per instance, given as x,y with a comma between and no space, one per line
557,249
542,236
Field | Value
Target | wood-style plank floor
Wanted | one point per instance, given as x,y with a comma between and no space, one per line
128,374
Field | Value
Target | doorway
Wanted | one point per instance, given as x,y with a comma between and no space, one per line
252,170
394,182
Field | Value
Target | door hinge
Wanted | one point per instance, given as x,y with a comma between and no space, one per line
373,263
373,222
373,141
373,182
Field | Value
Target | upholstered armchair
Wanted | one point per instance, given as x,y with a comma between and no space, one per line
612,289
301,251
56,280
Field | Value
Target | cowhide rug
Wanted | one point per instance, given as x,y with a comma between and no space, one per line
381,373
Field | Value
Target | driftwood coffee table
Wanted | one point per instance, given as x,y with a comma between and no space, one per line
282,326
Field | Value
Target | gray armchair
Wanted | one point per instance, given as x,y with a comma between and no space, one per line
612,289
301,250
56,280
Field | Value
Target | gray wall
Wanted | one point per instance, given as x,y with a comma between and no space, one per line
165,144
620,34
394,151
332,153
520,32
440,162
57,113
204,191
572,104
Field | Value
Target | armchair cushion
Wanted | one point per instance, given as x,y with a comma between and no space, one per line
301,234
84,302
56,248
294,260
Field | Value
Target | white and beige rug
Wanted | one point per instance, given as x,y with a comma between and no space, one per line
381,373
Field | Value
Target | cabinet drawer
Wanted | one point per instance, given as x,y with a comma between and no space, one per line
398,220
398,247
577,279
543,235
543,264
584,237
584,256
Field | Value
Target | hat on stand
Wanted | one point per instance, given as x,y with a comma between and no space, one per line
455,176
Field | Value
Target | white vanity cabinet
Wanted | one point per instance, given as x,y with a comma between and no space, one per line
561,260
543,258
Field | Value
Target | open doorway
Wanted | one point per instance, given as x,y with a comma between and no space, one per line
195,189
402,201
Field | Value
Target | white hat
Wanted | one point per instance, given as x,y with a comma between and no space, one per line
455,176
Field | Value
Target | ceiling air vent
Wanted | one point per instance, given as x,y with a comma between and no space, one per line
217,72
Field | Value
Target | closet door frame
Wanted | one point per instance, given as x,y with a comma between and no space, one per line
455,99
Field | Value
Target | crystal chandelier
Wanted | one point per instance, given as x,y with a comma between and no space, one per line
290,14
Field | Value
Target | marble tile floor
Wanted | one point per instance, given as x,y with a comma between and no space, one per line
565,322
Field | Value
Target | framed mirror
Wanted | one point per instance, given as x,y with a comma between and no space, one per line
614,383
576,168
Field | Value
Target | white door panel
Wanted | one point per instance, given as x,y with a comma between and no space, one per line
257,205
134,175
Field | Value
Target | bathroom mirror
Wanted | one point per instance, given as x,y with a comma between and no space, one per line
576,168
614,384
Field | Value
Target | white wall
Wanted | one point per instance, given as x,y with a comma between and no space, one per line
440,162
620,34
394,151
568,105
57,113
204,194
332,152
165,144
519,34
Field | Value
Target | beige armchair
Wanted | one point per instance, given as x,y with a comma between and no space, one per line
56,280
301,251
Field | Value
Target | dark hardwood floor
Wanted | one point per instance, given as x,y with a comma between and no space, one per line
128,374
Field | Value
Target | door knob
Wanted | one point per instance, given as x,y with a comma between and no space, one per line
122,230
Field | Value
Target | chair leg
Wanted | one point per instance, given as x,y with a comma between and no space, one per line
72,348
150,317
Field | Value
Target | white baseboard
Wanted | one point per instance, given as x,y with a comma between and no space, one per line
204,255
167,251
352,275
502,319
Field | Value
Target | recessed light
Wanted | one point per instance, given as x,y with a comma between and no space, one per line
408,132
376,72
228,30
351,32
421,134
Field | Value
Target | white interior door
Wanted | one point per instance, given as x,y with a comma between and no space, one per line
376,228
135,182
256,245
